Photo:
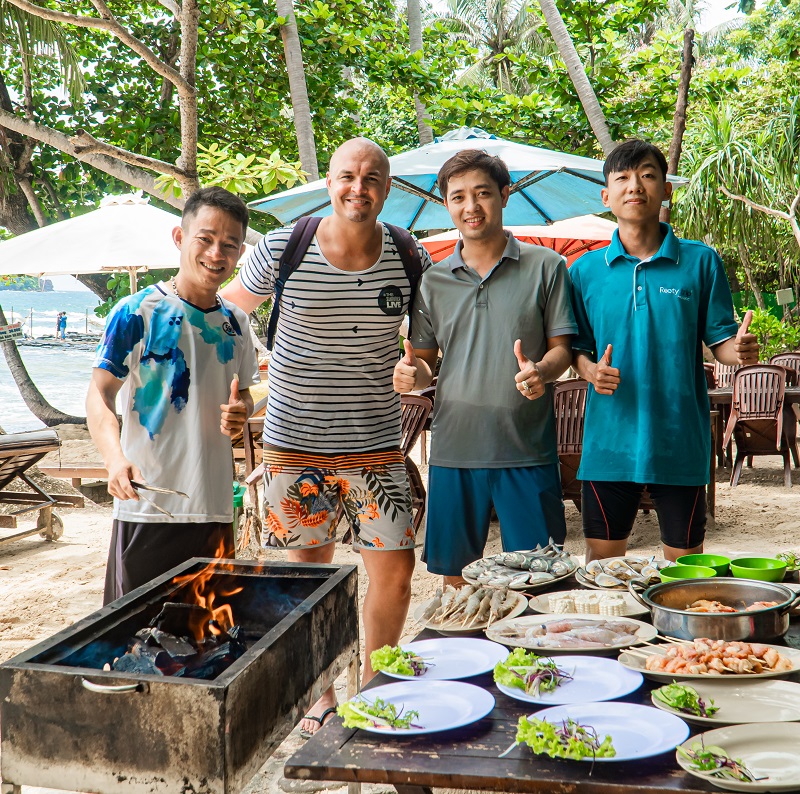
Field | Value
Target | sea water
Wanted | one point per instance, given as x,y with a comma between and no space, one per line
62,372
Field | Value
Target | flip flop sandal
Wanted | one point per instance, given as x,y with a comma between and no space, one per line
321,720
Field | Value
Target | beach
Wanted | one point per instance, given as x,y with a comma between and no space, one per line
45,587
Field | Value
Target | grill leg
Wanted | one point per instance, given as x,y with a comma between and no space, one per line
10,788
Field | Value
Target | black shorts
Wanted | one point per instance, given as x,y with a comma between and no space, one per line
609,510
141,552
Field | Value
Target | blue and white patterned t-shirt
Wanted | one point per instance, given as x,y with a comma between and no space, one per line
177,362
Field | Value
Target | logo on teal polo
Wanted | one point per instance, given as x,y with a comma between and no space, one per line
683,294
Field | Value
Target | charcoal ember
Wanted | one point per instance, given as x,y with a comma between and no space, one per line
141,659
181,619
214,660
176,647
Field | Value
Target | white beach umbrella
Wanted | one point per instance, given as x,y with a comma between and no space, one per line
125,234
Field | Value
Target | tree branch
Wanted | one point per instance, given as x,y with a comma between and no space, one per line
189,22
753,205
171,6
26,187
108,23
83,143
795,203
135,177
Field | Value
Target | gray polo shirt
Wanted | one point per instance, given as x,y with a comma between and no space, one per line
481,420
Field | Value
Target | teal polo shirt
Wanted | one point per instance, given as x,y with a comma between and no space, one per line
656,313
481,420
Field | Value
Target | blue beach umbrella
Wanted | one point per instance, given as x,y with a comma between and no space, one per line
547,186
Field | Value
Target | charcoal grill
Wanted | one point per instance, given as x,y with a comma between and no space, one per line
67,724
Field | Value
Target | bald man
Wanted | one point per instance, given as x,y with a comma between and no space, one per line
332,430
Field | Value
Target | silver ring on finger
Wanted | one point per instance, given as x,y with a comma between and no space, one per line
525,385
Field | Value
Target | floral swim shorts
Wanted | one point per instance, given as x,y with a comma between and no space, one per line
306,495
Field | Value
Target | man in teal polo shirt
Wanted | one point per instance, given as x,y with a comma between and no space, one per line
499,311
647,302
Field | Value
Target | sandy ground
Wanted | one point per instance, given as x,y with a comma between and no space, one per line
45,587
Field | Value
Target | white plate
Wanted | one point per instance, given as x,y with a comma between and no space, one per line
455,627
581,578
768,750
442,705
454,657
637,663
644,632
593,679
635,731
632,607
743,702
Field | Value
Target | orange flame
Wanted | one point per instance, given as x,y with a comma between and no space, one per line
204,592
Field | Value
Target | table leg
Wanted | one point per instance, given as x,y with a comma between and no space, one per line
711,491
353,688
403,789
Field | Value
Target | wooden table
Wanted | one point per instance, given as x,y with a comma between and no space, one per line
467,758
724,396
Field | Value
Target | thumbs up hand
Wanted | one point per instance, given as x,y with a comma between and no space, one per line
606,377
405,371
529,379
746,344
234,412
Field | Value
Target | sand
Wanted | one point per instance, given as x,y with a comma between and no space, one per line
45,587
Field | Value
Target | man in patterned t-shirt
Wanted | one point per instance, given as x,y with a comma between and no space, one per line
332,429
184,360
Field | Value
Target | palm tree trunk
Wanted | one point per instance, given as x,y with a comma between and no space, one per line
295,68
744,257
580,80
415,42
33,398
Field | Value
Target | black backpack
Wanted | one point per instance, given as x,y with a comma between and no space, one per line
298,243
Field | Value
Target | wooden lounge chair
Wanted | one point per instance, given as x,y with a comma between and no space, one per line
756,421
18,452
415,411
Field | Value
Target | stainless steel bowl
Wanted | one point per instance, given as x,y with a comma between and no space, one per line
668,602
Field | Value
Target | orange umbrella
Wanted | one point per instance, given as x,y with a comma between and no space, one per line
570,238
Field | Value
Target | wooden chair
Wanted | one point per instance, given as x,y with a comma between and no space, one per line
723,374
791,363
756,421
238,442
569,398
415,410
430,393
711,379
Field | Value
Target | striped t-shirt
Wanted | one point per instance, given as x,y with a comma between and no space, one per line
336,345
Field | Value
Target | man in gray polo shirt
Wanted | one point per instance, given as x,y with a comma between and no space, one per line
499,311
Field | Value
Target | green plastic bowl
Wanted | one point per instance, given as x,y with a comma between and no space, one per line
677,572
719,563
765,569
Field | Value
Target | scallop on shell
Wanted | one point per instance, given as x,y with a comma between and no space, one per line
594,568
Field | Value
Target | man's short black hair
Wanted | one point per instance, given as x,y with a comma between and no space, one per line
221,199
473,160
630,154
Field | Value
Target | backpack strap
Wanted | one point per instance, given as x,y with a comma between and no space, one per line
406,245
296,247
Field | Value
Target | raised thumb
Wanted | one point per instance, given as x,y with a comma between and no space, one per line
522,359
607,356
234,398
409,357
745,327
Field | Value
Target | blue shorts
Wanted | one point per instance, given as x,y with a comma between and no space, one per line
527,501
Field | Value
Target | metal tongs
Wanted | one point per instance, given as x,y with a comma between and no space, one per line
141,486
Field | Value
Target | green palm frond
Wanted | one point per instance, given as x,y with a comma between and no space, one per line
39,38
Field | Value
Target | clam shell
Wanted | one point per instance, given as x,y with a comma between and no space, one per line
593,569
606,580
